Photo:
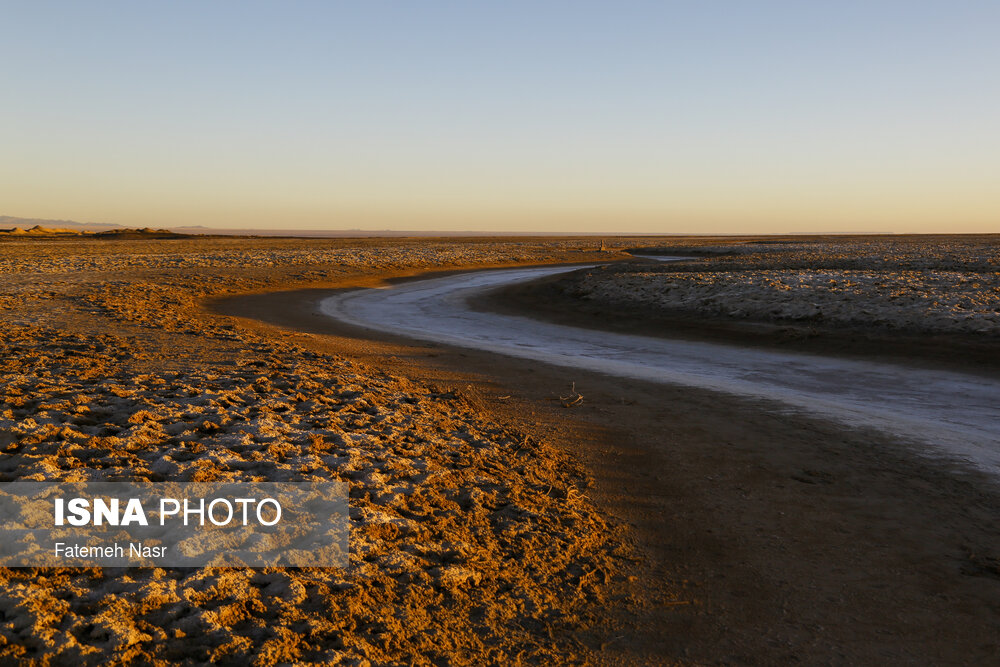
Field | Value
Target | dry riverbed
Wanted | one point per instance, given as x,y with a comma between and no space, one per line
485,529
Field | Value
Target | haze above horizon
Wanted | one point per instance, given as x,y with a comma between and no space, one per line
647,117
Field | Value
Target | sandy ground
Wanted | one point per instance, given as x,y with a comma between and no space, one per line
644,525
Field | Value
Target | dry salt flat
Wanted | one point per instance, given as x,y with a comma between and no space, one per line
951,287
930,300
470,542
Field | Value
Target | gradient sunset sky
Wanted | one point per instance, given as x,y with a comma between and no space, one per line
672,117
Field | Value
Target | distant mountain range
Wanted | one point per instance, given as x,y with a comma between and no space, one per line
9,223
37,227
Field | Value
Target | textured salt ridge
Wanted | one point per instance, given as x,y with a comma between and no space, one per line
949,287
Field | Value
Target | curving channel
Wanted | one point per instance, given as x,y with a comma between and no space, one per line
951,414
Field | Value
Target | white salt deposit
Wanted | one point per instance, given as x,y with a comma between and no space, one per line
952,414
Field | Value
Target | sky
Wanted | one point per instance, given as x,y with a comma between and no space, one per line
652,117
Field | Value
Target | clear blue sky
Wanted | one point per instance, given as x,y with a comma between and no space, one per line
563,116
